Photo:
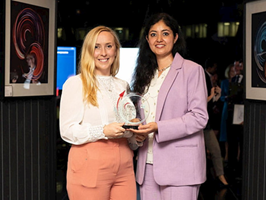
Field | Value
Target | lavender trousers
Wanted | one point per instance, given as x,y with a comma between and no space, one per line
150,190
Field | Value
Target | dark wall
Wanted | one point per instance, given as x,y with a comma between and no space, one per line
254,158
28,135
27,140
254,145
28,148
28,153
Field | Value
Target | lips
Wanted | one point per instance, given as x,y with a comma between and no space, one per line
103,60
160,46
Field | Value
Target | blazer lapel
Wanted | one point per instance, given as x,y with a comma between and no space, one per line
167,83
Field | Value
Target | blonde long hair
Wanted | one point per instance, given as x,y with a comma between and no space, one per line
87,64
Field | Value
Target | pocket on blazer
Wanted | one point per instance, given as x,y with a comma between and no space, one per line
186,145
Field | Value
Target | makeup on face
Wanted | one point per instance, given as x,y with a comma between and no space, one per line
161,39
105,53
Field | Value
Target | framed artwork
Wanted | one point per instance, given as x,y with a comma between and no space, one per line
255,50
30,48
2,48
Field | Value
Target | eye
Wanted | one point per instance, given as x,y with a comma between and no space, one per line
109,46
97,47
153,34
166,33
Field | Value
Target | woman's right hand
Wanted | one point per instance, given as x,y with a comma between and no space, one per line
113,130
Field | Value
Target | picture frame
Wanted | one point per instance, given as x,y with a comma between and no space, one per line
30,48
2,49
255,52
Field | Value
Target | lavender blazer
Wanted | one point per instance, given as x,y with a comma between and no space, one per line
178,148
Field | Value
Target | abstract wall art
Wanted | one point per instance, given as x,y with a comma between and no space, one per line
255,50
30,50
2,49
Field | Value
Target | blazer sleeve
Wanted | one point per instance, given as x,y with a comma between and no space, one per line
191,112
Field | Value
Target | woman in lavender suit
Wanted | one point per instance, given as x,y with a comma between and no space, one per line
172,161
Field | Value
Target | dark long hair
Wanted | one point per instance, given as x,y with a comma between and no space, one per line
146,60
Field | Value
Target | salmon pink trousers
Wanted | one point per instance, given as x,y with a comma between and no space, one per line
101,170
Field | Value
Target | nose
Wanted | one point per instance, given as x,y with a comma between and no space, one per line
103,52
159,38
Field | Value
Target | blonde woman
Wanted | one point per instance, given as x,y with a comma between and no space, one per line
100,163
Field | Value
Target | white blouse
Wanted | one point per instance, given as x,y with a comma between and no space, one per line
152,97
82,123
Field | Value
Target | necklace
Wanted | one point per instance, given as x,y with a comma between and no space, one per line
163,69
106,83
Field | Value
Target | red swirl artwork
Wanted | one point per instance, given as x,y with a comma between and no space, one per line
29,47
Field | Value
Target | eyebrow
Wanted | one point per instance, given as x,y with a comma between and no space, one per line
161,30
105,43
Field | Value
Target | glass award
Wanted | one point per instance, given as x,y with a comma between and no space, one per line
132,109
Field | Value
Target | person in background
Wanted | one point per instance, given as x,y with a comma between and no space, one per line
171,163
31,62
217,107
238,78
235,132
229,74
211,141
100,162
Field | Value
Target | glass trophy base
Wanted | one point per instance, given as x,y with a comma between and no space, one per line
130,126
